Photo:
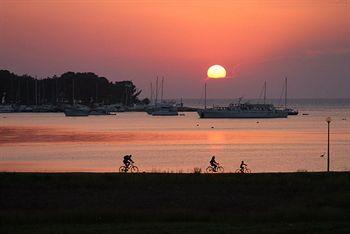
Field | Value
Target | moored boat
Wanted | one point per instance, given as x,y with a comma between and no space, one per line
245,110
164,111
292,111
241,110
6,109
100,111
289,110
164,108
75,111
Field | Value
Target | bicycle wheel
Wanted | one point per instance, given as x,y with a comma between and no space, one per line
209,169
122,169
247,170
134,169
238,171
220,169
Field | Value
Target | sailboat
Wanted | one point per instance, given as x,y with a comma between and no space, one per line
290,111
76,110
241,110
98,109
5,108
163,108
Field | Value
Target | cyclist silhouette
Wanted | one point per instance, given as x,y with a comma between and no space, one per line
127,160
242,166
213,163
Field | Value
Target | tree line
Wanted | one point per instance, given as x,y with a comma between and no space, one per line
83,87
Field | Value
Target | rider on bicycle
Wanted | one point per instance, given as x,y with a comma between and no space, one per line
213,163
127,160
242,166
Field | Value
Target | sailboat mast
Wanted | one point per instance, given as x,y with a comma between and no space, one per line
96,92
73,92
36,91
151,93
285,93
265,92
156,100
56,90
161,97
205,96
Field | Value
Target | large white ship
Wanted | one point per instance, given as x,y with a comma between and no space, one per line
242,110
245,110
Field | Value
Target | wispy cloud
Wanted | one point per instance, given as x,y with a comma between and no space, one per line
327,51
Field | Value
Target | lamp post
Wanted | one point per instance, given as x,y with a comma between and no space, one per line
328,120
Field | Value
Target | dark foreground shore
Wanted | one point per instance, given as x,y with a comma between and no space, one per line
174,203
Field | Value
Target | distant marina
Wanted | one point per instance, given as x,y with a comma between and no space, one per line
163,134
177,143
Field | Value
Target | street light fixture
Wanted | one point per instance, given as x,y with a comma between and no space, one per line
328,120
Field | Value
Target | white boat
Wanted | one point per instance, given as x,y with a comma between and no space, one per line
100,111
43,108
290,111
115,108
163,108
245,110
6,109
242,110
24,108
164,111
77,110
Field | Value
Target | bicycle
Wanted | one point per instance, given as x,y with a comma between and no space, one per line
245,170
210,169
130,168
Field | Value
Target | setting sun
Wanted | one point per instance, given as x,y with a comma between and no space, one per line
216,71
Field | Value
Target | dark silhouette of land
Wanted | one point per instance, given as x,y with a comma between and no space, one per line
88,88
175,203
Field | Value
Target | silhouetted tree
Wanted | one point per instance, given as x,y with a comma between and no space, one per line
88,88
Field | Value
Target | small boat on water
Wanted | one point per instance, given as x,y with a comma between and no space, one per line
164,111
290,111
100,111
76,111
163,108
43,108
24,108
6,109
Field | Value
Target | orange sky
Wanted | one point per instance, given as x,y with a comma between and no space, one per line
309,41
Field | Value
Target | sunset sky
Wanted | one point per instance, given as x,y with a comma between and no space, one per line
307,41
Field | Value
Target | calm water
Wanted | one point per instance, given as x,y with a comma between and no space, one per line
51,142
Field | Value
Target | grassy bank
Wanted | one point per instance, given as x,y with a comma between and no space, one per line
174,203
